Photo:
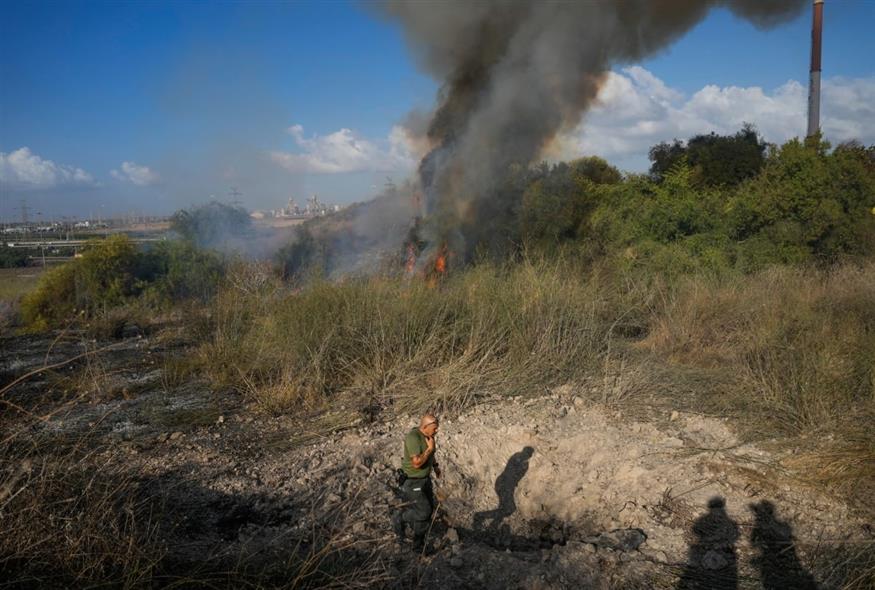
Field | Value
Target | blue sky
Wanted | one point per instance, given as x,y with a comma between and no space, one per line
148,106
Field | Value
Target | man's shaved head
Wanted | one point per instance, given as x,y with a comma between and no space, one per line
428,425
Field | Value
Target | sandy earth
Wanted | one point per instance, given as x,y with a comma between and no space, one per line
551,491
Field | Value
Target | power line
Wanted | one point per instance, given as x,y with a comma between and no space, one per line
24,209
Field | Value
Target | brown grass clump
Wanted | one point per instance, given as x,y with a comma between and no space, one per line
75,511
73,519
485,331
801,342
78,518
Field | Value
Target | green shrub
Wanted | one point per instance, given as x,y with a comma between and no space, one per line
670,227
104,277
53,299
12,257
113,272
555,205
179,270
107,273
807,203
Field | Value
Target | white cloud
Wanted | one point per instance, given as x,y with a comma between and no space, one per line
135,174
636,110
23,169
344,151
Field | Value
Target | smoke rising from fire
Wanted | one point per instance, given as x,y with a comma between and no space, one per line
516,73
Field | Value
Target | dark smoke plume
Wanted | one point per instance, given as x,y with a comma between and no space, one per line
515,73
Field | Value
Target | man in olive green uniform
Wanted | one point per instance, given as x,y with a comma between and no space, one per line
418,463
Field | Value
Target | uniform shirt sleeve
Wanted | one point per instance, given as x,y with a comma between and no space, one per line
412,445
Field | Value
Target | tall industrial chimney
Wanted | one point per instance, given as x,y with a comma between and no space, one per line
814,81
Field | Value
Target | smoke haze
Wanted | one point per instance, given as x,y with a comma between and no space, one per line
514,74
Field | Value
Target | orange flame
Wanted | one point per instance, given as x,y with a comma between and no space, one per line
440,263
440,266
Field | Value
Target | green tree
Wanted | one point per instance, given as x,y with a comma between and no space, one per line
113,271
807,202
716,160
12,257
557,203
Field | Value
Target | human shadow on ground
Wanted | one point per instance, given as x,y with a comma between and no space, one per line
505,486
489,527
712,563
777,560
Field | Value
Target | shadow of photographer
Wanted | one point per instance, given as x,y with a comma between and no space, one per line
777,559
712,562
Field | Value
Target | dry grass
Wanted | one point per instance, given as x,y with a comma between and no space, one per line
76,513
803,339
73,518
798,345
789,352
16,282
801,342
487,331
82,519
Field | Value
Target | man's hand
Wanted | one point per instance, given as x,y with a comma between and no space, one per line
420,459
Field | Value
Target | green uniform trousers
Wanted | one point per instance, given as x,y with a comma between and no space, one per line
419,497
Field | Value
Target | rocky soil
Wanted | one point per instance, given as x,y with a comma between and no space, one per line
553,490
